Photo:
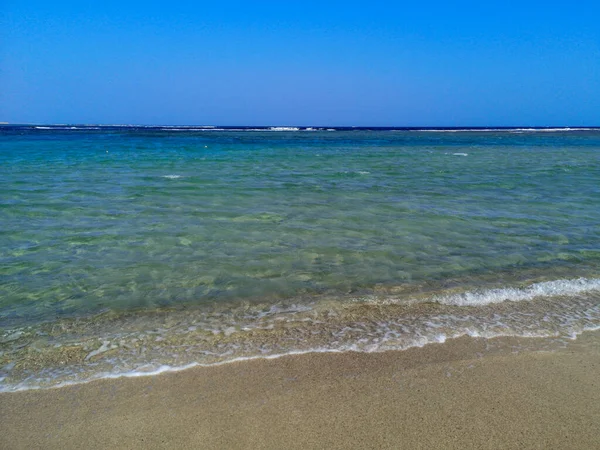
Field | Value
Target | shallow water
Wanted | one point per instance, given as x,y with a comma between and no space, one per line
265,242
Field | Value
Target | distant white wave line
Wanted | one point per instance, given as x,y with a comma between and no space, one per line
461,130
544,289
237,129
418,343
171,176
67,128
554,129
508,130
223,129
184,126
192,129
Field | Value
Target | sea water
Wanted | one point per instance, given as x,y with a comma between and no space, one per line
132,250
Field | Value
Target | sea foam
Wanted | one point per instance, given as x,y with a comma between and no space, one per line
543,289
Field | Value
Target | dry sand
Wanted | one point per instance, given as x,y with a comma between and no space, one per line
460,394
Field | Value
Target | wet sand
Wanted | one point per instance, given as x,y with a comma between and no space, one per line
465,393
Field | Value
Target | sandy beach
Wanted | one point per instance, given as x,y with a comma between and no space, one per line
465,393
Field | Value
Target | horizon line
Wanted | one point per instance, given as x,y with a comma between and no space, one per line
293,126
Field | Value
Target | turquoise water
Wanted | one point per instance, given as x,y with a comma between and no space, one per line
105,228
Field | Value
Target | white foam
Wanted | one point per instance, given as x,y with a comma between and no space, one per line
284,129
554,129
375,347
172,177
460,130
67,128
565,319
389,341
460,154
193,129
275,310
543,289
507,130
158,370
184,127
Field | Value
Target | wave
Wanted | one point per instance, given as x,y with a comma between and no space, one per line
241,129
544,289
500,130
192,129
136,344
554,129
162,369
208,128
183,127
67,128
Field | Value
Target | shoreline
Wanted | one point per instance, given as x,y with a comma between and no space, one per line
111,345
465,393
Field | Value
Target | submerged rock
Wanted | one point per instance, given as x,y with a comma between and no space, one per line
11,337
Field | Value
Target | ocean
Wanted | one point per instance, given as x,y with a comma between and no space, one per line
128,251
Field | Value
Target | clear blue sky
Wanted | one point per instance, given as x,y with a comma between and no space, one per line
366,63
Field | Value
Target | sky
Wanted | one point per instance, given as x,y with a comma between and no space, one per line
351,63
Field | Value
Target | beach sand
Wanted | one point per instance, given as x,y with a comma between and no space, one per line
465,393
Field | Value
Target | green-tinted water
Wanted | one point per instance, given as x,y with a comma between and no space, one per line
135,220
